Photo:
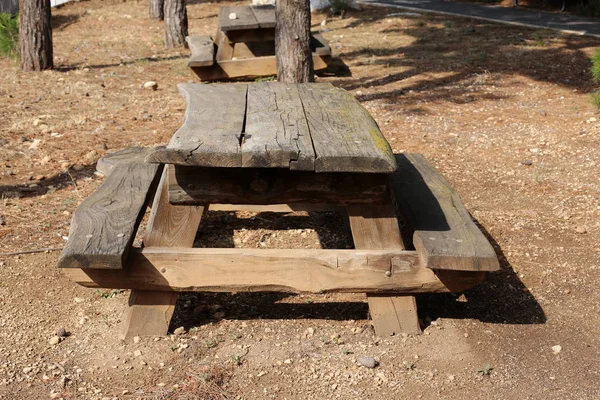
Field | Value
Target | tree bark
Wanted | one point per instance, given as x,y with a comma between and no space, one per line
176,23
35,35
156,9
292,42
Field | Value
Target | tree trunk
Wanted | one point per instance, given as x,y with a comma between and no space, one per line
156,9
176,23
292,42
35,35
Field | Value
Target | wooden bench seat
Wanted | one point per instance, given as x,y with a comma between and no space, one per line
203,51
104,225
445,236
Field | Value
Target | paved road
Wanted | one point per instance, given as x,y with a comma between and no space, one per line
508,15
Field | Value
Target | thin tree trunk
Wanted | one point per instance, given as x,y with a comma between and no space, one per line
35,35
292,42
176,23
156,9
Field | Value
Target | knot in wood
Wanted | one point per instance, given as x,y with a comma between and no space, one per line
259,185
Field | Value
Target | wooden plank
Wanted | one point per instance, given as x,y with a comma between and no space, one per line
203,51
189,185
393,315
210,135
444,233
149,311
276,130
224,46
253,35
248,68
241,51
104,225
130,155
285,270
320,44
345,136
265,16
377,228
276,208
244,18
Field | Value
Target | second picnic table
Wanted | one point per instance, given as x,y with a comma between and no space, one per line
278,147
244,46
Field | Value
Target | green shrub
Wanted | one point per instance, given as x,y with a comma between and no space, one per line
9,34
339,7
596,66
589,8
595,96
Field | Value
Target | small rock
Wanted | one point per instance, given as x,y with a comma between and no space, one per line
219,314
54,340
581,229
137,353
566,291
179,331
27,370
232,16
367,361
527,162
61,332
556,349
79,299
78,167
151,85
137,339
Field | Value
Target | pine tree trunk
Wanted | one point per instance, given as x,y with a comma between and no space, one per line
155,9
292,42
176,23
35,35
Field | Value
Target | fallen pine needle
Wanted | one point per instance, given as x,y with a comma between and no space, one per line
16,253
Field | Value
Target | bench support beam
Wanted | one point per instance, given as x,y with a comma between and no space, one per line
377,228
149,312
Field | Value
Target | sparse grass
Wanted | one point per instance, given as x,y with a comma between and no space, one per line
595,96
205,383
9,35
486,370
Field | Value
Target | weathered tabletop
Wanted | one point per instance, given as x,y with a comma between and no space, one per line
304,127
247,17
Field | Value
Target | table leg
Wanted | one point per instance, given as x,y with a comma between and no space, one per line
149,312
224,47
376,227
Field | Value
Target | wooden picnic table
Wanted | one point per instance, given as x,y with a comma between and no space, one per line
245,46
276,147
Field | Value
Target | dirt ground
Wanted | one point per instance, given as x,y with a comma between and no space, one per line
503,112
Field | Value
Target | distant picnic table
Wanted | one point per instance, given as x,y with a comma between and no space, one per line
244,46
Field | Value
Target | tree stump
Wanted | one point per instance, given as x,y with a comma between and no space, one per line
176,23
156,9
35,35
292,42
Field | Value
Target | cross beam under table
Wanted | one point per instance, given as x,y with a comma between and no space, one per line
451,253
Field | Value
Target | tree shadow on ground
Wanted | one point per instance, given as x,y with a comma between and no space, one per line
501,299
59,181
60,22
454,59
76,66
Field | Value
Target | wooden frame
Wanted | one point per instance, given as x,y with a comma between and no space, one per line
380,266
